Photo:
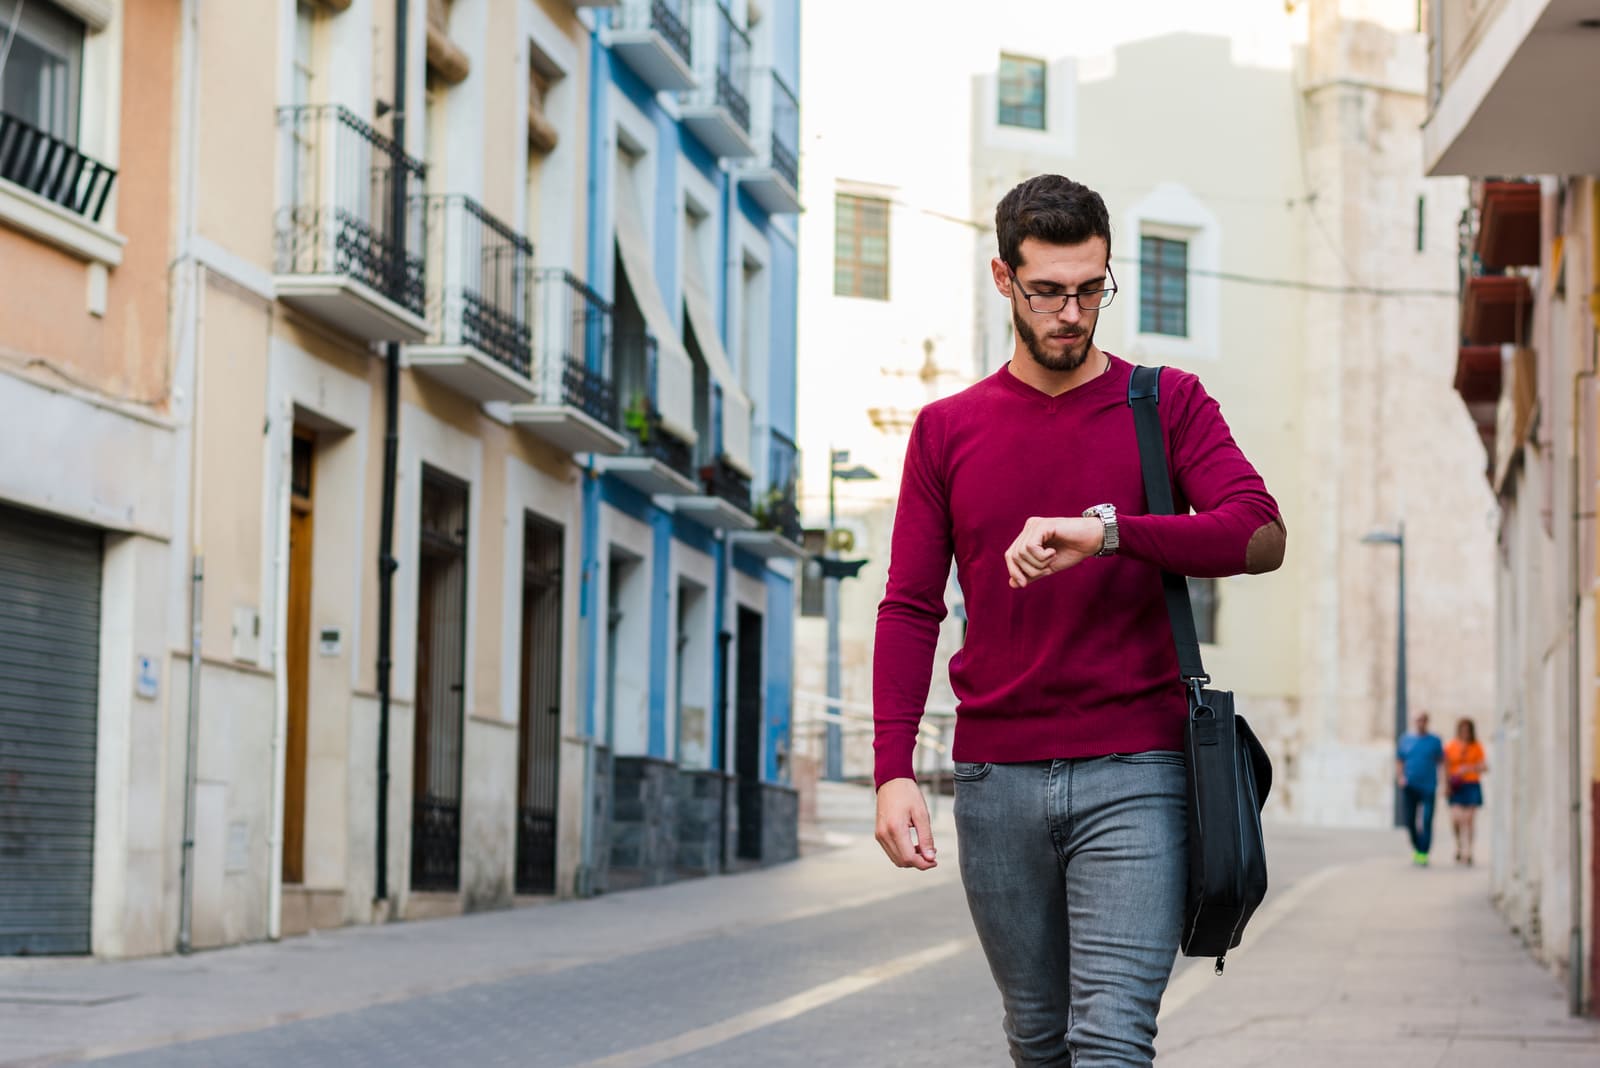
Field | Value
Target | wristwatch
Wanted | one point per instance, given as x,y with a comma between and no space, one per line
1107,514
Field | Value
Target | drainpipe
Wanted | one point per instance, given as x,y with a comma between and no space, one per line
280,676
1575,948
190,278
589,607
391,463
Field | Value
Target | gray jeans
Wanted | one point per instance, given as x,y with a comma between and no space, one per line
1075,873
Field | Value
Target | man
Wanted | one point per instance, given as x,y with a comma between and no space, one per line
1416,769
1069,733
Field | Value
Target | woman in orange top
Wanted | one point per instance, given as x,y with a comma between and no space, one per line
1463,767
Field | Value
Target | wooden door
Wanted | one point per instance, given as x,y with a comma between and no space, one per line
298,661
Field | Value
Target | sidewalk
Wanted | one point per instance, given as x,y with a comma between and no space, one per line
55,1010
1377,963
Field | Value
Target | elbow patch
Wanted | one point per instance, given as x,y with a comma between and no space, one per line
1265,551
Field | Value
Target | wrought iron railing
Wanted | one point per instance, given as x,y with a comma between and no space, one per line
721,479
666,17
636,376
352,204
785,131
733,66
779,509
480,276
574,349
49,167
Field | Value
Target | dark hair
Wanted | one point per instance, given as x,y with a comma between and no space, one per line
1052,208
1472,728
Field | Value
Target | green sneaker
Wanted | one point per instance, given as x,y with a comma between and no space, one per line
1419,859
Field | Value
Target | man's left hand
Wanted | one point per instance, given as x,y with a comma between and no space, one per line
1046,546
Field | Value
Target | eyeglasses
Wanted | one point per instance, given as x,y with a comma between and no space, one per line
1092,299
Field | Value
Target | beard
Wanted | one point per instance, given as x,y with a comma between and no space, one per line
1069,359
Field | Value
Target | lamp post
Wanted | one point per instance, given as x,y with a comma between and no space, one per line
1398,539
833,758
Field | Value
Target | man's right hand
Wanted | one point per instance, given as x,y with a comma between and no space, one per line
901,810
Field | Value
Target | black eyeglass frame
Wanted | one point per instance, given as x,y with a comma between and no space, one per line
1109,289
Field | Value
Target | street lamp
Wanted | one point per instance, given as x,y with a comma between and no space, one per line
1398,539
833,760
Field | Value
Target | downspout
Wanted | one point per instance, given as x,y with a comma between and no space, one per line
280,678
190,277
589,608
1576,954
391,463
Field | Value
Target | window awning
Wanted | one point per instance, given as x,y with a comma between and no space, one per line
674,371
735,405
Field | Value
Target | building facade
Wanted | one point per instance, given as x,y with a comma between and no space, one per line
1270,234
1525,363
415,559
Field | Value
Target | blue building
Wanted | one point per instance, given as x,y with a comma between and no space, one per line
690,534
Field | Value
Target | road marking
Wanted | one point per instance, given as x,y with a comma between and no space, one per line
1192,981
803,1002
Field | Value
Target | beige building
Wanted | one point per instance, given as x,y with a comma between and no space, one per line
89,567
1271,234
1512,103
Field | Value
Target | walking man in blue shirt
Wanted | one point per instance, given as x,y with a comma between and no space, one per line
1416,769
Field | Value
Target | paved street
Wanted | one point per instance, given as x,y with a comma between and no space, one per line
835,960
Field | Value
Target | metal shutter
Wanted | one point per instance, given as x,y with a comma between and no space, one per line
49,689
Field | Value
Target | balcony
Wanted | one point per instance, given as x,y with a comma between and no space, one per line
1496,310
574,404
724,503
718,111
652,38
655,462
1495,64
480,304
49,167
1508,224
773,178
350,234
778,534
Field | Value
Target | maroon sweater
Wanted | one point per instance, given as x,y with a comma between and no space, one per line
1080,663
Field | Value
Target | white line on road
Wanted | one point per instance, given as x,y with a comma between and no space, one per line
1193,980
803,1002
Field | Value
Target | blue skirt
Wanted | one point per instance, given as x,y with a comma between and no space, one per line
1467,795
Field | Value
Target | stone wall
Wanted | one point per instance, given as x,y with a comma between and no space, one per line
644,822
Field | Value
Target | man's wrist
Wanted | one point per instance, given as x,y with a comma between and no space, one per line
1105,516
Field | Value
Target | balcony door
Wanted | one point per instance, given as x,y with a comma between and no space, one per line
539,729
440,685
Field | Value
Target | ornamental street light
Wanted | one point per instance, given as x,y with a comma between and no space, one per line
1397,538
833,760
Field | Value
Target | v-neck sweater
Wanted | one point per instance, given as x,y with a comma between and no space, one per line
1076,664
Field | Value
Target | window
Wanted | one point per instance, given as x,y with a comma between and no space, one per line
861,247
39,84
1203,599
305,71
1163,286
1022,92
812,587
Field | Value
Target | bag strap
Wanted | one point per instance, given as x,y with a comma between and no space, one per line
1144,394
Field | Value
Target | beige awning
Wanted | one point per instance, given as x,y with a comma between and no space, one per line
735,405
674,370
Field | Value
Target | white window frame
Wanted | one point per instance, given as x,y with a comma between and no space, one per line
98,136
1060,134
1173,212
559,181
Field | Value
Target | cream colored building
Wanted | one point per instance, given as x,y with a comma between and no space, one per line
1512,95
1275,155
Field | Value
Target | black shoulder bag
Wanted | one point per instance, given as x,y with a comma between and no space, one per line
1228,770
